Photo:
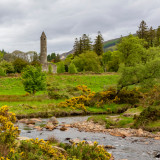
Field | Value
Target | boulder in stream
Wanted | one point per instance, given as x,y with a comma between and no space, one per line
76,141
50,126
53,120
63,128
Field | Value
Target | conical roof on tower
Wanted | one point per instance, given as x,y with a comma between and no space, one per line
43,34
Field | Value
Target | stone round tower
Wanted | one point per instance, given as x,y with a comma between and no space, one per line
43,53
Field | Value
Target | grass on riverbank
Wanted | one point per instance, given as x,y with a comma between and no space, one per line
123,120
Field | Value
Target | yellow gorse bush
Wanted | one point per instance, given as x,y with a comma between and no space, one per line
86,151
80,101
48,149
8,133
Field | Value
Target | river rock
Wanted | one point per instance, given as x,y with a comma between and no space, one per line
38,128
53,120
76,141
89,142
157,155
63,128
36,120
109,147
140,132
60,149
30,125
157,138
30,121
22,138
50,126
23,120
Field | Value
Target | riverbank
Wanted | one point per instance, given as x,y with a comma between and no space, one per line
89,126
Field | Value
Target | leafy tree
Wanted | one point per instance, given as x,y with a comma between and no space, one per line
114,63
132,50
57,58
9,57
7,66
98,44
33,79
2,72
141,66
88,61
72,68
143,74
19,64
1,55
51,57
106,57
60,67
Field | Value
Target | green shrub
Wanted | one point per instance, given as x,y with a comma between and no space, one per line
149,114
72,68
2,72
60,67
33,79
129,96
56,95
88,61
7,66
19,64
50,69
84,151
38,149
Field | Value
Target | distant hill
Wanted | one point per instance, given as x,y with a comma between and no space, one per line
64,55
108,45
111,44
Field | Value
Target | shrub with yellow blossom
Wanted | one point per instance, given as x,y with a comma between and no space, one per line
80,102
8,132
30,149
84,151
39,149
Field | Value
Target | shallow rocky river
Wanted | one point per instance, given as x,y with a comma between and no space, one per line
128,148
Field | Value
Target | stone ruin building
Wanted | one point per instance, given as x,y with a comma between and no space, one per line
43,55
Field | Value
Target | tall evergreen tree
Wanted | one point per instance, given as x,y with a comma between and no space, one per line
82,45
76,47
158,36
98,44
151,37
86,43
143,30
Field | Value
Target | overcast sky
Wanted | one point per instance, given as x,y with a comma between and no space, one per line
22,21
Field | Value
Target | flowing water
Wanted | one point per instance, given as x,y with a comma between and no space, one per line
130,148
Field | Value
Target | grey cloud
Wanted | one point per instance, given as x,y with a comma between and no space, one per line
22,22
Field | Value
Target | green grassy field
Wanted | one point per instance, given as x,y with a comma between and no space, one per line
12,92
14,86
